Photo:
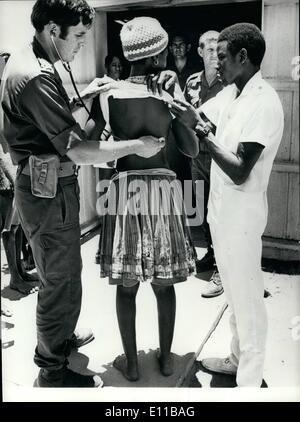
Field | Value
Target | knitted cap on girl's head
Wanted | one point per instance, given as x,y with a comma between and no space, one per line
143,37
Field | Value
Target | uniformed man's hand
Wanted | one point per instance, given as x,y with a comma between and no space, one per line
149,146
97,86
163,80
185,113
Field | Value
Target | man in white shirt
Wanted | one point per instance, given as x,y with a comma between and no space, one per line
249,119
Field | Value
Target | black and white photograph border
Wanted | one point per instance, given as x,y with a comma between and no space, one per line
202,326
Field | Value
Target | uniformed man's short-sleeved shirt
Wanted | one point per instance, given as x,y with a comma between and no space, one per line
36,118
197,90
256,115
185,72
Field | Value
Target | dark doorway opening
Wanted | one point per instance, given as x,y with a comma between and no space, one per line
192,20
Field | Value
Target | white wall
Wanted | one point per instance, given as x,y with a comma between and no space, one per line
16,31
15,26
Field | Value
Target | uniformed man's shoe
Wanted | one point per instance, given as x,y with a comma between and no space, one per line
221,366
81,338
207,262
214,287
65,378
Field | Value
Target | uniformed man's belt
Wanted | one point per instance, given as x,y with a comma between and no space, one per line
65,169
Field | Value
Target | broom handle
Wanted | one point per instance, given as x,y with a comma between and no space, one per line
197,353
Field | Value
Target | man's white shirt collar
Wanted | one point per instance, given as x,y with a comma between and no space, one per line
251,84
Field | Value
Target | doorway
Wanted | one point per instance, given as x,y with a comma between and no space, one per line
190,20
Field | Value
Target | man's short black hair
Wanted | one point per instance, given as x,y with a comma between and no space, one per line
64,13
245,35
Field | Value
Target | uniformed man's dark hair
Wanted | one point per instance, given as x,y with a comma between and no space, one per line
245,35
64,13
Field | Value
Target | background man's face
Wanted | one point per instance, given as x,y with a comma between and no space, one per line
178,47
209,54
229,66
75,39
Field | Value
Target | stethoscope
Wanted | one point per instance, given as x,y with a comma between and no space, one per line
67,67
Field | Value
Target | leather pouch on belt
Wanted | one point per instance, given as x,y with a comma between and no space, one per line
44,175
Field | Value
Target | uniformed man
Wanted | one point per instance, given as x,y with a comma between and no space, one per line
46,142
181,62
201,87
249,119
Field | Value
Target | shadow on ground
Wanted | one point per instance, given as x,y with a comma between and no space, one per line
150,375
11,294
6,337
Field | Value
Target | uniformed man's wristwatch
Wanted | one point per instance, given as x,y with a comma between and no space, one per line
203,130
75,102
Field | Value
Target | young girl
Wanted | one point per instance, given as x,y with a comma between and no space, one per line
145,237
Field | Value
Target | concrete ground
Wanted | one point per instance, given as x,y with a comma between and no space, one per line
195,317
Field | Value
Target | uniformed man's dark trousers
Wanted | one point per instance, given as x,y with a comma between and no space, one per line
53,230
201,171
6,200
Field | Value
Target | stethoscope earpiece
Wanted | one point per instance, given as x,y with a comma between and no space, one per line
67,67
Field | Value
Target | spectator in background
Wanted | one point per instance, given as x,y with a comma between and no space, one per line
11,230
201,87
6,197
113,66
180,63
10,227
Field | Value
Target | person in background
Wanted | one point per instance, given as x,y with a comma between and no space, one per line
201,87
180,63
113,66
11,230
6,198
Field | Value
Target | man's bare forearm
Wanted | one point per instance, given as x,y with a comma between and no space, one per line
237,165
94,152
186,139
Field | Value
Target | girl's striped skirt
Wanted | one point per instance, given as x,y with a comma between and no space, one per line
144,234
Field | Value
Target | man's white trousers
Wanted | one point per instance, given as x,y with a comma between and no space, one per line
236,235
